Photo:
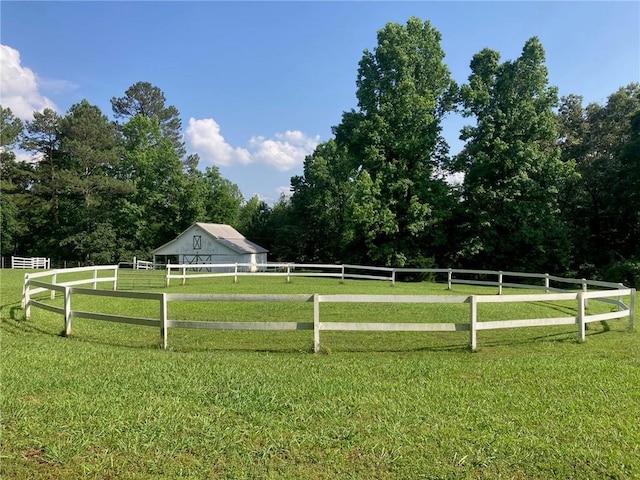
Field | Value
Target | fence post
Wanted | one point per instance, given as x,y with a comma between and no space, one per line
11,261
235,273
95,276
632,308
67,311
581,324
184,275
620,286
53,280
342,273
167,280
449,275
546,283
500,283
163,321
23,304
115,276
316,323
393,277
473,319
584,289
26,298
288,272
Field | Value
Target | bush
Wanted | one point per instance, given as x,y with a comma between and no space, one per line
627,272
419,262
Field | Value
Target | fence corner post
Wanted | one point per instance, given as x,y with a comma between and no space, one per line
316,323
163,320
116,269
67,311
473,320
580,319
632,308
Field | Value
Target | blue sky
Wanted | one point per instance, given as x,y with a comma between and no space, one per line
259,84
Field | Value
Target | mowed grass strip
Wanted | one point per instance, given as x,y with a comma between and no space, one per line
108,403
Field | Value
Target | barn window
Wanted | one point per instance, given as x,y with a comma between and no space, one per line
197,242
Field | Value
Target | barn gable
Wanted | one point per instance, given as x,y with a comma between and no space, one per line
210,243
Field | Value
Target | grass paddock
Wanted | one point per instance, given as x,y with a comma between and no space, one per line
108,403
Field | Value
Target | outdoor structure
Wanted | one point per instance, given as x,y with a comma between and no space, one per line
573,306
208,243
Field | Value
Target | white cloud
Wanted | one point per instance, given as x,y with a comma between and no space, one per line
19,86
283,152
204,138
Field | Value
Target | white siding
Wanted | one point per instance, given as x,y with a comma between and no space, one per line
210,251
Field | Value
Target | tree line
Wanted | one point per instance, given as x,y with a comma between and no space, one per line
542,183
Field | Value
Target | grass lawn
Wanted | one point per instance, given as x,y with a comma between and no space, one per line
532,403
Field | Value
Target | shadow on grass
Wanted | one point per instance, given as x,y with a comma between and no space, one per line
22,326
558,308
16,325
559,337
569,336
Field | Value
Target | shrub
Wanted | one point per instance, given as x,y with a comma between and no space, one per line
627,272
418,262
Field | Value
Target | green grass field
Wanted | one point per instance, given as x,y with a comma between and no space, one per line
107,402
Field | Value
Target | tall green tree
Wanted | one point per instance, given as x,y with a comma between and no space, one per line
321,201
143,98
15,179
394,148
514,178
602,140
42,139
284,232
91,145
253,221
222,200
155,212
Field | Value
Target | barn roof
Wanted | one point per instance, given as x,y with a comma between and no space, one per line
226,235
230,237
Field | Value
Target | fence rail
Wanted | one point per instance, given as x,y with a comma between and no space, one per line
473,325
346,271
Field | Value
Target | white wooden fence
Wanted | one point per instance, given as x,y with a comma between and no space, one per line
288,270
30,262
500,279
474,324
142,264
56,277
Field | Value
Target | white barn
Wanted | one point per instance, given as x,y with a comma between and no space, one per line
210,243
